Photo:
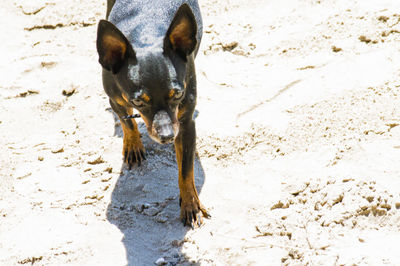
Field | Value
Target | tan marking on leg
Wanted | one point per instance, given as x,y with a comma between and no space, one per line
133,149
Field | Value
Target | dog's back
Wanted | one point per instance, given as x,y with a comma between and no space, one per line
145,23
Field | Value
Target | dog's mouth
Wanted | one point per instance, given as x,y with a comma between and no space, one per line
163,129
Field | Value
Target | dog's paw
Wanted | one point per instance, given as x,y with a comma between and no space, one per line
134,153
192,212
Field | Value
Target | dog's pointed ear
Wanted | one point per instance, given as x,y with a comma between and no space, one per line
112,46
181,35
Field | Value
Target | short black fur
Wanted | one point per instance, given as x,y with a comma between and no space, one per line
147,50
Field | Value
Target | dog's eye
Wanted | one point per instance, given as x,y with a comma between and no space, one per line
178,94
137,102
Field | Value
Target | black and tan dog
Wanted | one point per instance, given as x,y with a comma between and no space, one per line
147,51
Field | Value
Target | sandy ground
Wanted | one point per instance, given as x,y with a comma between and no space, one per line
298,141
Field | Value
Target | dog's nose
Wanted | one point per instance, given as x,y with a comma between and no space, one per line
163,128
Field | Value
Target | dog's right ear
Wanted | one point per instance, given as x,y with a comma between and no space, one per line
181,35
112,46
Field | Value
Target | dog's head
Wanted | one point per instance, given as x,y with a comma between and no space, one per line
152,79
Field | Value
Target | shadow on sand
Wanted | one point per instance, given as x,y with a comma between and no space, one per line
144,205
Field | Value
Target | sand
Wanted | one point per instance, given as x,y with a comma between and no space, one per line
298,141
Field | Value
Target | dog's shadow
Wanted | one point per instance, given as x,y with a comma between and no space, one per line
145,205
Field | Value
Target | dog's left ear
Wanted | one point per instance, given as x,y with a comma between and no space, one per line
181,35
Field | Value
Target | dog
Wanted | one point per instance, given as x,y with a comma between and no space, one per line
147,51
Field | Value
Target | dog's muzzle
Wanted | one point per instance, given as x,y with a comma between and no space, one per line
163,130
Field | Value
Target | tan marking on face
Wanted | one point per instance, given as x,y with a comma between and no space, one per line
146,97
171,94
120,101
125,97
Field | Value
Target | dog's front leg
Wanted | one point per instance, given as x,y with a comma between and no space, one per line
133,150
185,144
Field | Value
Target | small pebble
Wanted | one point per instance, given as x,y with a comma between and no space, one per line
160,261
176,243
108,170
151,211
98,160
370,198
161,219
336,49
68,92
57,150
